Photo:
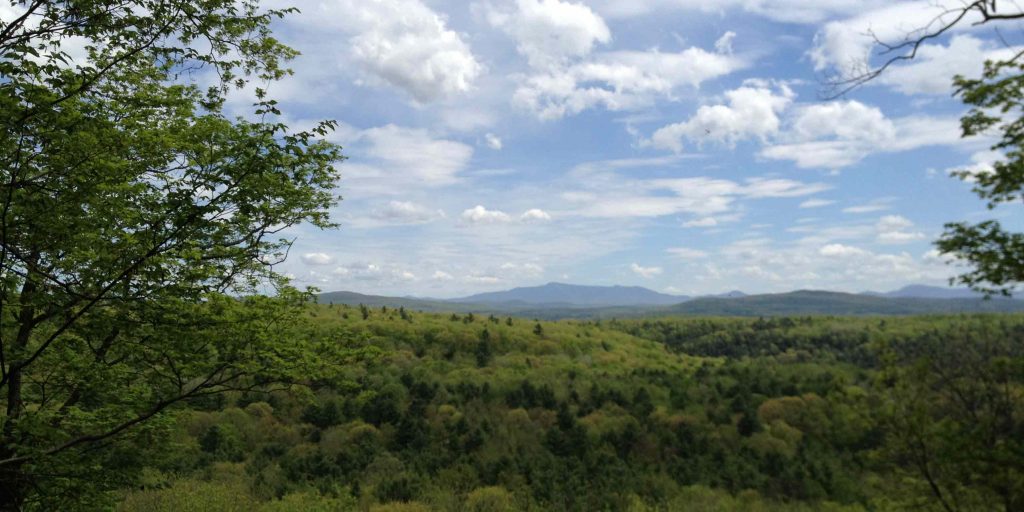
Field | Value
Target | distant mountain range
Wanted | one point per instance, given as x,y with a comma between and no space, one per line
578,295
921,291
559,300
813,302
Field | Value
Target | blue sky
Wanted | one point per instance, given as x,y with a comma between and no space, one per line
680,145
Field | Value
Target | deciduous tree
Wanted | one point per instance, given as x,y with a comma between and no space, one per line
134,212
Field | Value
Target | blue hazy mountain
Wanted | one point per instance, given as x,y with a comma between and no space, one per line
577,295
559,300
920,291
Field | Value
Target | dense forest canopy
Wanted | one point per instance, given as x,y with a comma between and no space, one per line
153,358
133,215
469,412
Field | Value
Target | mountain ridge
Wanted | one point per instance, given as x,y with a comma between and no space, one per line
578,295
798,302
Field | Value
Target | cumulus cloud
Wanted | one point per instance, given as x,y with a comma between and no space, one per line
317,258
402,43
405,212
480,215
645,272
841,133
534,215
623,80
549,32
749,112
829,135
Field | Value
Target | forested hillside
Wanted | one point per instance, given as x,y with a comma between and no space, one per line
462,412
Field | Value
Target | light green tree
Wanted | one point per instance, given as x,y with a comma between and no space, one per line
134,214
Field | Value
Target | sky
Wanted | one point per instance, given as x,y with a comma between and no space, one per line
681,145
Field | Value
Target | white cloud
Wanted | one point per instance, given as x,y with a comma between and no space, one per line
401,42
829,135
645,272
317,258
763,263
846,46
843,120
703,222
701,196
750,112
480,215
981,163
405,212
624,80
815,203
841,251
372,272
535,214
894,229
778,187
876,205
493,141
518,270
841,133
482,279
549,32
686,253
724,44
440,275
933,69
789,11
408,155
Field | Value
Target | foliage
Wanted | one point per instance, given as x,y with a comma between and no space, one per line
134,214
648,414
996,255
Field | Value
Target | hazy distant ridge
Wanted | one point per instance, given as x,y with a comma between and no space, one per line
556,300
578,295
930,292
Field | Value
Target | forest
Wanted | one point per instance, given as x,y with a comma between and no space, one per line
464,412
166,226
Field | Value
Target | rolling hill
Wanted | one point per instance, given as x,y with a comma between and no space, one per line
810,302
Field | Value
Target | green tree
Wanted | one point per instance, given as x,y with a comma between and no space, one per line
133,214
954,415
484,352
995,255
